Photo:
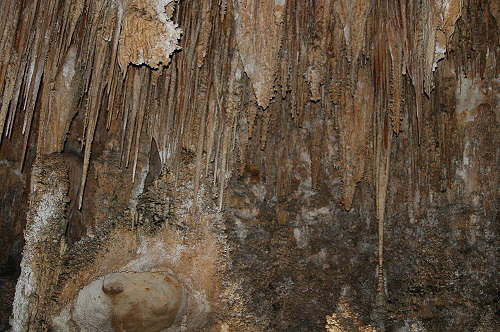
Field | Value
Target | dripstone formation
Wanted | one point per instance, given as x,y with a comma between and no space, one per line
249,165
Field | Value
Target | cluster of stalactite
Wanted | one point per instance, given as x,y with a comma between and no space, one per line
247,78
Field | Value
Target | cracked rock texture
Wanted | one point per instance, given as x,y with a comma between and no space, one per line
249,165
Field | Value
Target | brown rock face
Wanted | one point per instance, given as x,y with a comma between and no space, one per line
249,165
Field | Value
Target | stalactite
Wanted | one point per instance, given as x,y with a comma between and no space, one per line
251,113
217,155
383,85
199,155
204,34
112,80
394,34
7,94
265,128
140,121
411,51
60,105
353,15
95,95
128,87
242,144
355,120
433,24
248,88
211,127
224,161
258,39
396,86
29,108
135,99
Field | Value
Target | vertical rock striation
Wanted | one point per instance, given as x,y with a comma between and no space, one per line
272,156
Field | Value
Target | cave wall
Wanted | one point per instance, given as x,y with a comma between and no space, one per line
293,164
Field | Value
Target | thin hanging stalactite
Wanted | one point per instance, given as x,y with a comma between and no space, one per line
382,143
95,95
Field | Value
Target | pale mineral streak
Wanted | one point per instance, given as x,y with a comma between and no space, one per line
43,230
